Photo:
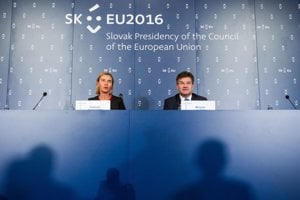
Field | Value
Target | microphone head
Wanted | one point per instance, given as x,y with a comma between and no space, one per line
287,96
44,94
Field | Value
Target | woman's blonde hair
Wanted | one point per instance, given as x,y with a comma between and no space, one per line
100,75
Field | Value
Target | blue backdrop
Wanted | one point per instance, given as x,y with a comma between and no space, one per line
244,53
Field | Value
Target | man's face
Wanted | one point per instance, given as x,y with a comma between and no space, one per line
185,86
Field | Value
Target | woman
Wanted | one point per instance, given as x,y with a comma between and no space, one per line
104,89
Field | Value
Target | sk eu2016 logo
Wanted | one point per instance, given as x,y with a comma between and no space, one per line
114,19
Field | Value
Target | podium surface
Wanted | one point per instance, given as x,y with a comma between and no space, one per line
156,152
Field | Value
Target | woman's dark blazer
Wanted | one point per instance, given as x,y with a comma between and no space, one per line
116,103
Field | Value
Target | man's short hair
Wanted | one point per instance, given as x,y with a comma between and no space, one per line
183,75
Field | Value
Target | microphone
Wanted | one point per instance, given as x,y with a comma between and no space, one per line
44,94
288,98
121,95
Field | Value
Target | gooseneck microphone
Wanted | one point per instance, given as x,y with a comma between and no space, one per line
288,98
44,94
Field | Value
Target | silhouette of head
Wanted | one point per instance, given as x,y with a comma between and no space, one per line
113,177
211,157
41,160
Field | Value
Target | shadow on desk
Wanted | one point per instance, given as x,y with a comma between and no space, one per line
211,160
31,177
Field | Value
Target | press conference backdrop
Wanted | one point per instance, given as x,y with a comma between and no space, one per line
244,53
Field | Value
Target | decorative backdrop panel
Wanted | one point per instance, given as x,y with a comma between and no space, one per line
40,55
226,64
5,22
278,31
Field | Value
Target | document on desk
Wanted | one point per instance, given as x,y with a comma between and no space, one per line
92,105
198,105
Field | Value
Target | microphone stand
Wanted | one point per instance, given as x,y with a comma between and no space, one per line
44,94
288,98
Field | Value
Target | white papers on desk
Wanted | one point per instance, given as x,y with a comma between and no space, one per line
92,105
198,105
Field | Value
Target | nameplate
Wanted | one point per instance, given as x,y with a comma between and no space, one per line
92,105
198,105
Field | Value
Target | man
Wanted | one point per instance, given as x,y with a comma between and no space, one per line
185,85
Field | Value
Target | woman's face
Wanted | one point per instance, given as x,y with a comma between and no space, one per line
105,84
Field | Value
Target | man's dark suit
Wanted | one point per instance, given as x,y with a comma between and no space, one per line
173,103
